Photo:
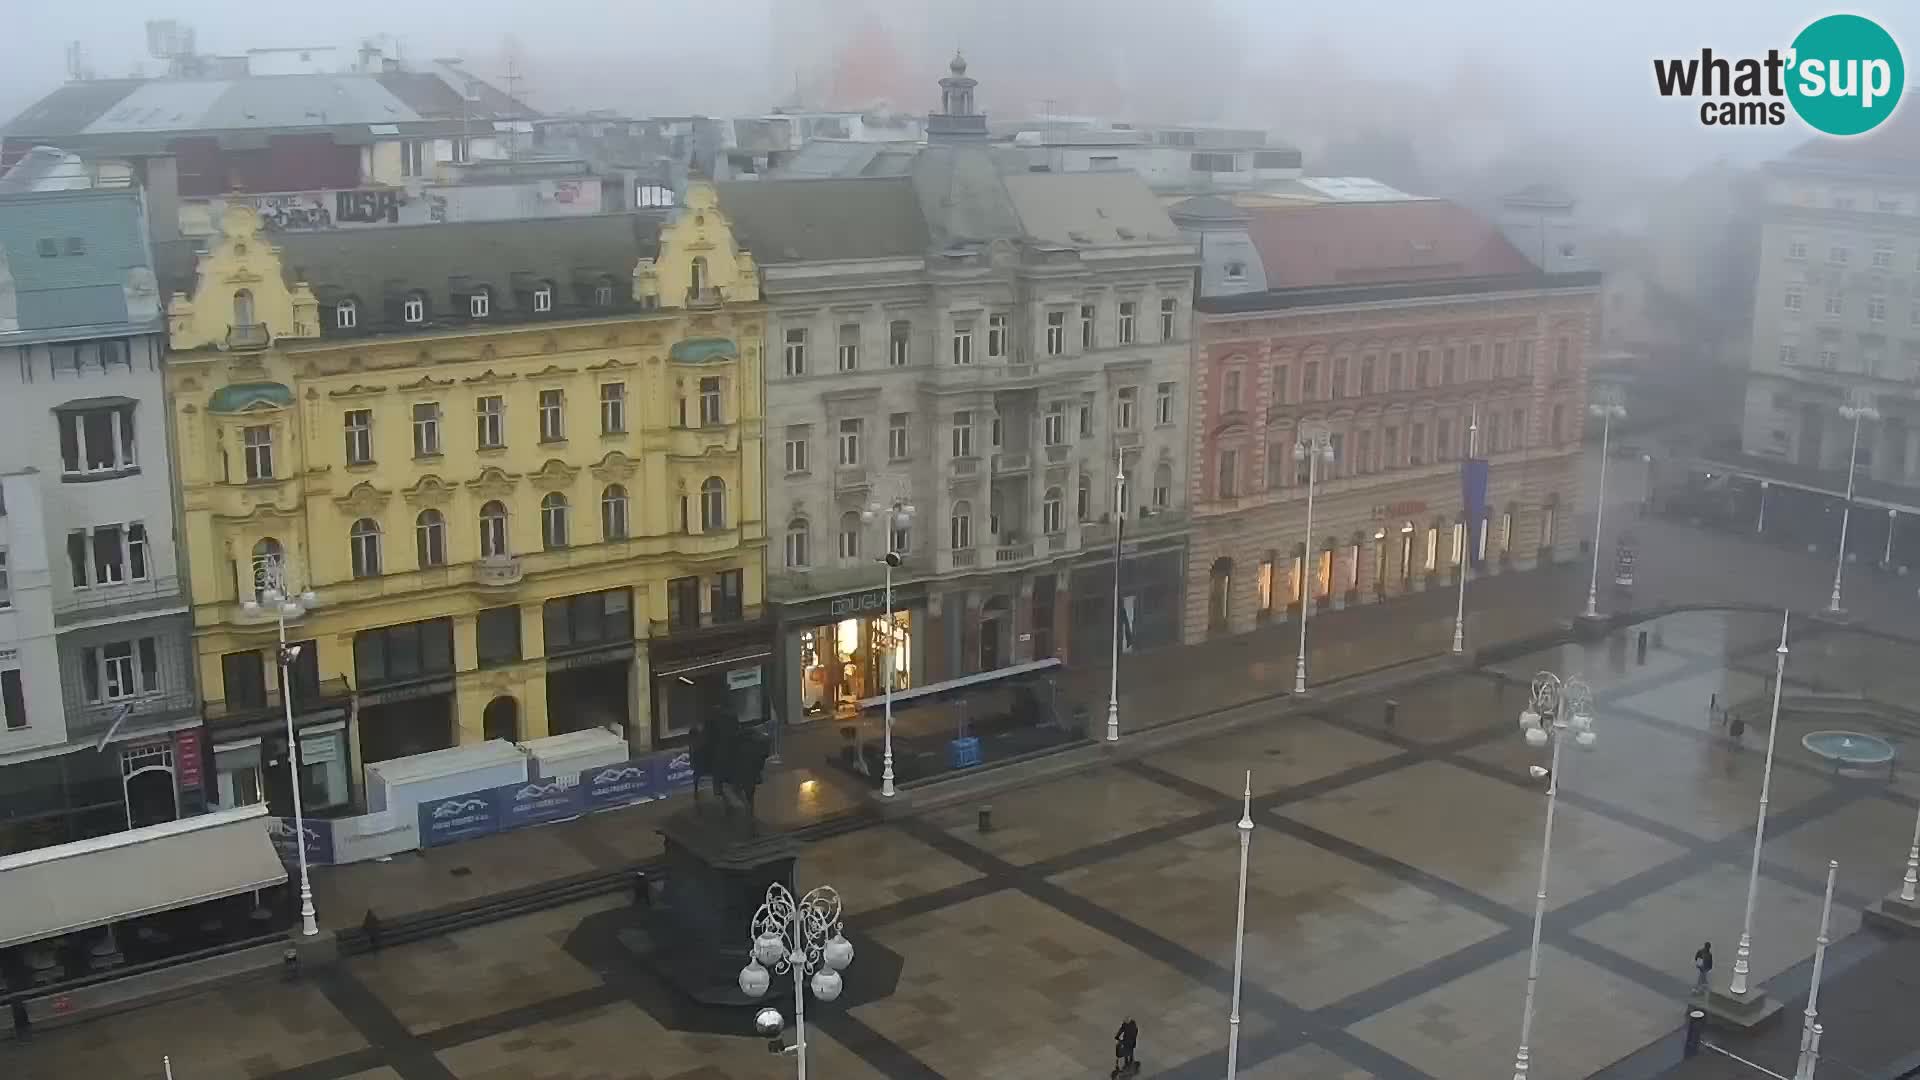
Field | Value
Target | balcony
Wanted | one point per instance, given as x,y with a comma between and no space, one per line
851,479
1012,462
963,467
1058,455
963,558
126,598
710,296
1008,554
498,571
1127,440
248,337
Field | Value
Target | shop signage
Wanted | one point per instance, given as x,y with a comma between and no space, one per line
537,803
618,785
593,658
1410,509
433,688
187,766
676,770
9,655
860,603
318,837
742,678
462,817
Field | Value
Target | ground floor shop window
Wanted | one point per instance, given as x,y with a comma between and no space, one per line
843,662
236,772
716,691
323,767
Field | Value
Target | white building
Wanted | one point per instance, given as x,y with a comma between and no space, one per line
988,347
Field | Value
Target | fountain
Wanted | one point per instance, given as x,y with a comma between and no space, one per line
1851,752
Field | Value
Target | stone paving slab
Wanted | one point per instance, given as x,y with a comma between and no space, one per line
1319,926
874,867
1482,834
1279,755
1066,814
1005,986
1684,700
1608,665
1869,837
1585,1018
1309,1062
1439,710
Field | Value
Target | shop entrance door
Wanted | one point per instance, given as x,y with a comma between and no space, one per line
990,644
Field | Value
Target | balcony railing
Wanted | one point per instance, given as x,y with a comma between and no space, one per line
1012,461
1012,553
496,571
707,297
964,466
851,478
1057,455
963,558
248,336
124,598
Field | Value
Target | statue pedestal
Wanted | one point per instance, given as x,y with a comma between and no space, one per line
717,876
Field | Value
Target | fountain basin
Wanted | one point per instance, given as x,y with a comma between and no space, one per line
1851,751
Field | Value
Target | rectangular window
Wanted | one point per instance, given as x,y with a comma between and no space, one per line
1526,358
1838,254
899,437
1126,408
1086,418
497,633
1500,359
1442,439
1230,392
1517,429
1391,450
1367,364
96,440
963,434
850,441
899,343
491,414
1363,461
404,652
1474,370
259,452
553,418
1559,423
78,562
1310,380
1795,298
796,351
1882,254
710,411
1562,355
683,603
109,555
1226,484
1056,333
1337,386
1088,315
797,443
1447,372
1163,404
1280,384
426,429
136,553
963,341
6,589
1834,305
13,699
1797,248
849,346
1422,368
996,335
1124,332
613,408
412,158
1417,445
1876,309
1396,373
1053,427
724,596
478,304
359,436
1169,308
543,299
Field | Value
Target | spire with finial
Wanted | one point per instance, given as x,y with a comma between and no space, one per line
957,120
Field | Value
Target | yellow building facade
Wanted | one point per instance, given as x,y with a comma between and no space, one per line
517,464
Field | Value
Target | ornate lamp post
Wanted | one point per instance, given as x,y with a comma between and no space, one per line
1557,708
1472,536
800,938
276,589
1737,986
1113,668
1810,1028
1911,881
899,517
1605,405
1858,407
1313,445
1239,930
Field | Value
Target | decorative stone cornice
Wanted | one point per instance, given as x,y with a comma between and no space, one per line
490,377
357,391
429,490
363,499
616,466
493,483
554,475
426,382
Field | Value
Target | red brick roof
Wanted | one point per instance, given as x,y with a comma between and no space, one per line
1374,243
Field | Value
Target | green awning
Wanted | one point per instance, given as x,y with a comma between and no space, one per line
243,396
703,350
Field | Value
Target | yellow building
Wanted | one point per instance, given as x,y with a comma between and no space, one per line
517,463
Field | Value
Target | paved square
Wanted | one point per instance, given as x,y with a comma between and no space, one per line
1067,814
1004,986
1869,837
1281,753
1308,1062
1685,700
1585,1018
1482,834
876,867
1319,927
1609,665
1441,709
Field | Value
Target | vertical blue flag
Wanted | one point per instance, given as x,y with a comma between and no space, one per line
1473,501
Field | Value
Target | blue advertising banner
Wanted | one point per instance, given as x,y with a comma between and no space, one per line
676,770
319,841
536,803
462,817
1473,501
618,785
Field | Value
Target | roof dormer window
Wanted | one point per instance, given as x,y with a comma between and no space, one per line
346,315
543,297
1236,271
603,293
414,310
478,303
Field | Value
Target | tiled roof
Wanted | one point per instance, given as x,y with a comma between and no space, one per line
787,221
1375,243
98,240
1089,209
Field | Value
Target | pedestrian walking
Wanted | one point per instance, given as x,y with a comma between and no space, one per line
370,926
1703,968
1125,1041
22,1023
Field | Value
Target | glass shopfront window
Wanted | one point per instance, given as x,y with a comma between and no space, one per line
843,662
323,767
735,690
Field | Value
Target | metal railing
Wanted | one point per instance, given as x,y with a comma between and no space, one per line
150,593
249,336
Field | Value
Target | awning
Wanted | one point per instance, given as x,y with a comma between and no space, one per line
91,883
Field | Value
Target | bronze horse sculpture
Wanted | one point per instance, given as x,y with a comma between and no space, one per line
734,758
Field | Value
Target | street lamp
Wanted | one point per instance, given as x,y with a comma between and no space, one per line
275,588
1472,544
899,516
1119,550
1313,445
1858,407
1912,879
801,938
1737,986
1810,1028
1605,405
1245,827
1556,708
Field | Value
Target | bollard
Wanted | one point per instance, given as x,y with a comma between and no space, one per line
1387,715
22,1023
1696,1022
640,889
985,820
1641,648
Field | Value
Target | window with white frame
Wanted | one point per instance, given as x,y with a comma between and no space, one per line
1162,486
1795,298
1169,313
1089,316
603,293
359,425
1053,427
1797,248
613,408
850,536
479,303
713,504
430,538
1083,498
554,523
963,434
1883,253
798,439
1086,417
710,412
1838,255
1053,517
799,544
257,442
426,429
1124,331
960,525
899,343
543,298
1876,309
796,351
899,436
849,346
1056,332
1163,404
346,315
963,341
120,670
363,542
996,335
493,530
1834,305
96,440
553,415
900,538
850,431
490,413
1126,408
414,309
613,512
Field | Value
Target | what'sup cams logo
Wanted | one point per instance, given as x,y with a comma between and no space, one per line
1842,76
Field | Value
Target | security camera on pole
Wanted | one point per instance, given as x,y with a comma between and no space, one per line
275,589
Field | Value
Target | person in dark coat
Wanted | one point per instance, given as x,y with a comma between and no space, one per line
1124,1042
1703,967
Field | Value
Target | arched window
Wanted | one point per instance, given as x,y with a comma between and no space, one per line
1083,498
1219,594
243,307
430,538
414,308
799,541
346,315
553,521
962,525
613,513
699,273
493,530
713,504
1162,486
850,535
364,539
268,558
1052,513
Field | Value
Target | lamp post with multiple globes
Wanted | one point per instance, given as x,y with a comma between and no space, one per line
800,938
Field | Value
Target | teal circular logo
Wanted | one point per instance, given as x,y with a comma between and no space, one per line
1846,76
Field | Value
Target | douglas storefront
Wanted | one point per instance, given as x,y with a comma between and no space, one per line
834,651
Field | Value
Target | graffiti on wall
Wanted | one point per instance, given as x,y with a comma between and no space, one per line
306,211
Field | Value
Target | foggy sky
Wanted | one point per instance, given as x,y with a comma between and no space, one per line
1466,81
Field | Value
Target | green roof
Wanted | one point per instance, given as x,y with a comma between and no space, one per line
243,396
701,350
70,254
